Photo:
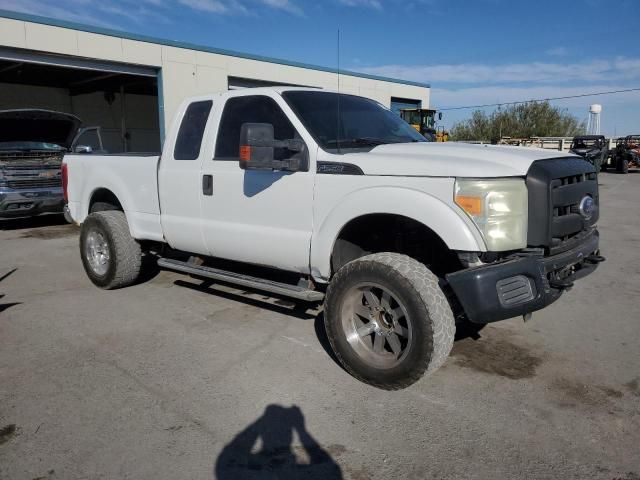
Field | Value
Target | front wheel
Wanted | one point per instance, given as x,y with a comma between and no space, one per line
388,320
110,255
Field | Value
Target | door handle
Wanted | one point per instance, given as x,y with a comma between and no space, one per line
207,184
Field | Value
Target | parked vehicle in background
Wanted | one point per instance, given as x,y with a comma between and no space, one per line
626,154
337,199
593,148
32,144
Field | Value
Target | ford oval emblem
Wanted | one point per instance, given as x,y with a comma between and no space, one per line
587,207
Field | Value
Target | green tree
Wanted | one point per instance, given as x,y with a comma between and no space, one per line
534,119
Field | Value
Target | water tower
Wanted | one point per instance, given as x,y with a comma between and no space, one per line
593,124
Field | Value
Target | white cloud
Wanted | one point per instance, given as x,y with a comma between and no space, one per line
375,4
138,11
286,5
535,72
557,51
619,113
210,6
381,4
69,12
472,84
454,97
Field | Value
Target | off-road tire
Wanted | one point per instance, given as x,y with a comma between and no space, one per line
431,316
125,255
623,166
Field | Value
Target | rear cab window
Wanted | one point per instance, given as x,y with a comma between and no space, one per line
189,140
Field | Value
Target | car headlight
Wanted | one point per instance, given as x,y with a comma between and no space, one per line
499,209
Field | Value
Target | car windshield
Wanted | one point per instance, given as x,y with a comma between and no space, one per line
360,124
587,143
29,146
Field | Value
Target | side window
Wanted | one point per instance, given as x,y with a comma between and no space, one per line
191,131
251,109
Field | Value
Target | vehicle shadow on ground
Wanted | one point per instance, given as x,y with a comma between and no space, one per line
266,450
32,222
283,305
304,311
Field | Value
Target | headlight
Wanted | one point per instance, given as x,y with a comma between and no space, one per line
498,207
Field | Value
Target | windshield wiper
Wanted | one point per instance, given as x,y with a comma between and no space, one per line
358,141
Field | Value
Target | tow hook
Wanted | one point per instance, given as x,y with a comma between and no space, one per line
595,259
563,284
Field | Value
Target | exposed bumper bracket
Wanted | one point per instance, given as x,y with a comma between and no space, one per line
522,285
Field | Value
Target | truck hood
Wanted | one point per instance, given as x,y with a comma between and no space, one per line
449,159
38,126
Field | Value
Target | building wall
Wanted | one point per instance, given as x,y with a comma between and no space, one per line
187,72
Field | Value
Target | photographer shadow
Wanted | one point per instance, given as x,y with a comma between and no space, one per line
265,450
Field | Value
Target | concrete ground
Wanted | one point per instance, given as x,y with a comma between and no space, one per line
174,380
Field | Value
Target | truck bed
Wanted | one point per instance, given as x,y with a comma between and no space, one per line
132,178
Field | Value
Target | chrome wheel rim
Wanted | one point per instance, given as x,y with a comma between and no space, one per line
96,251
376,325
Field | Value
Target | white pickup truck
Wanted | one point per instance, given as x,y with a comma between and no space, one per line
401,238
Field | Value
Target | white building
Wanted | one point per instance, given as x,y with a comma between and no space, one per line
130,85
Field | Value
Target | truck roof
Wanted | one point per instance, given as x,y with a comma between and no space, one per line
263,90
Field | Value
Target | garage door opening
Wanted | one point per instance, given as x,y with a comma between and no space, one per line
124,105
398,104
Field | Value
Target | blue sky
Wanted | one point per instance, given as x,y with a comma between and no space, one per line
471,52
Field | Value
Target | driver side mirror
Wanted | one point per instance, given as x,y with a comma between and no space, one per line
257,149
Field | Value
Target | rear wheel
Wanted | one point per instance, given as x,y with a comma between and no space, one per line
110,255
387,320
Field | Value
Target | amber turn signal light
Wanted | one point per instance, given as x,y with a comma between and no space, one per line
471,205
245,153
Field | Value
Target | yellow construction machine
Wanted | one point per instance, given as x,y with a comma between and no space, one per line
424,121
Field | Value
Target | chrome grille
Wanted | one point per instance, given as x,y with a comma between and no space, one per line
556,188
31,170
35,183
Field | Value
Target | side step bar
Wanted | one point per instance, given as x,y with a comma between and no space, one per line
284,289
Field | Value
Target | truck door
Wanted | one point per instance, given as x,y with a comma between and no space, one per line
261,217
179,178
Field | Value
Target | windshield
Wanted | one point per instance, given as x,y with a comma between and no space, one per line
412,117
29,146
362,122
586,143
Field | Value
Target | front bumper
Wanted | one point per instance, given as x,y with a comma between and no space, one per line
522,284
26,203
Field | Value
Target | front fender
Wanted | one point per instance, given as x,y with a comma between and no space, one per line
456,230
